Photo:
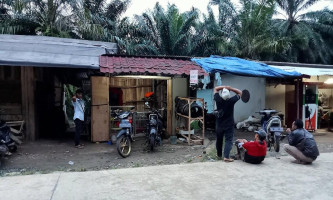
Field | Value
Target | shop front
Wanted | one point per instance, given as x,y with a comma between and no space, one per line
125,81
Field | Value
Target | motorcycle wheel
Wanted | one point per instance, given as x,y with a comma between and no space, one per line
200,124
276,144
152,143
124,146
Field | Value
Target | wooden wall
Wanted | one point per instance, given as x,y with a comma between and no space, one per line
10,90
133,90
28,102
100,111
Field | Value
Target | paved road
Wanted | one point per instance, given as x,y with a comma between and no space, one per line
274,179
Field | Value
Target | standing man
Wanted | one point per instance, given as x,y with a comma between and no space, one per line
225,119
302,145
79,106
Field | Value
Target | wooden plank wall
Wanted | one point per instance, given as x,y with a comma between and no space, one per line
133,90
11,93
28,102
161,93
170,107
100,111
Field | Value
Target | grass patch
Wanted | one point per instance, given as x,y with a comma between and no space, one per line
137,165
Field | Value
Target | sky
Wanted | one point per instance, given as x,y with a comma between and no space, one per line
140,6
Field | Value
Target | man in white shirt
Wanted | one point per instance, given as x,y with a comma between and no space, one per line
79,107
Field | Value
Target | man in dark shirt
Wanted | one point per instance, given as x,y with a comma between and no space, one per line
225,119
302,145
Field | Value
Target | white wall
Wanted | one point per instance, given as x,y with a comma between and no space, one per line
256,87
276,97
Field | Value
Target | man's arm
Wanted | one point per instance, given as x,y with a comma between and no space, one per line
218,88
74,100
292,139
235,90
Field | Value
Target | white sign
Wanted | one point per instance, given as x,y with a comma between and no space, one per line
193,77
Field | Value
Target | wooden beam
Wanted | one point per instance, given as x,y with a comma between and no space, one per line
28,101
170,107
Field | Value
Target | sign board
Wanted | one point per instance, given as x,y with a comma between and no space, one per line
193,77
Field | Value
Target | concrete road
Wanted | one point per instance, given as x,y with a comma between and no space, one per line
274,179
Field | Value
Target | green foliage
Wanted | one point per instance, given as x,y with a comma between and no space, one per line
249,32
307,43
166,32
70,92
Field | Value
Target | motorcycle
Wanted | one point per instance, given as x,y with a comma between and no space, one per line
154,130
4,151
7,144
125,135
5,136
210,119
272,125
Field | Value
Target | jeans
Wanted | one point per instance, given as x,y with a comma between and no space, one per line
228,133
78,130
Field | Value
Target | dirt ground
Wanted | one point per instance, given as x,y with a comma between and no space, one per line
46,156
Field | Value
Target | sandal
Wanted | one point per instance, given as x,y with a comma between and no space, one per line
228,160
79,146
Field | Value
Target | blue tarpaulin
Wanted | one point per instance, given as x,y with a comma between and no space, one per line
237,66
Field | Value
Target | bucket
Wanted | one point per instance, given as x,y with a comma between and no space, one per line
173,139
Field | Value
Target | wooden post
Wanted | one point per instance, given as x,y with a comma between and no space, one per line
297,97
28,102
100,110
170,107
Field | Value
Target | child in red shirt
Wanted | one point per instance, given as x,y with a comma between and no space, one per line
255,150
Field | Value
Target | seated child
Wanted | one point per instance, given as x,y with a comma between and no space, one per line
253,152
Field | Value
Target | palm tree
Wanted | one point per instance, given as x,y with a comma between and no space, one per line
99,20
228,17
15,18
166,32
210,37
52,16
256,38
307,45
322,23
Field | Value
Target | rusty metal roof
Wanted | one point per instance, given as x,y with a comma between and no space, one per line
148,65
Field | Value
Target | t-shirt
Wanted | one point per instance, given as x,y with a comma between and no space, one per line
254,148
227,120
78,109
255,152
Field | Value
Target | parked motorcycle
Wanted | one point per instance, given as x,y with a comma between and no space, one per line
272,124
154,130
125,135
7,144
4,151
5,136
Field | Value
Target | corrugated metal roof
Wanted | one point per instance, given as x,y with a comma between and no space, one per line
307,70
41,51
169,66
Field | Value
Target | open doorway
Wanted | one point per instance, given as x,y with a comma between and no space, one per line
125,92
325,107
